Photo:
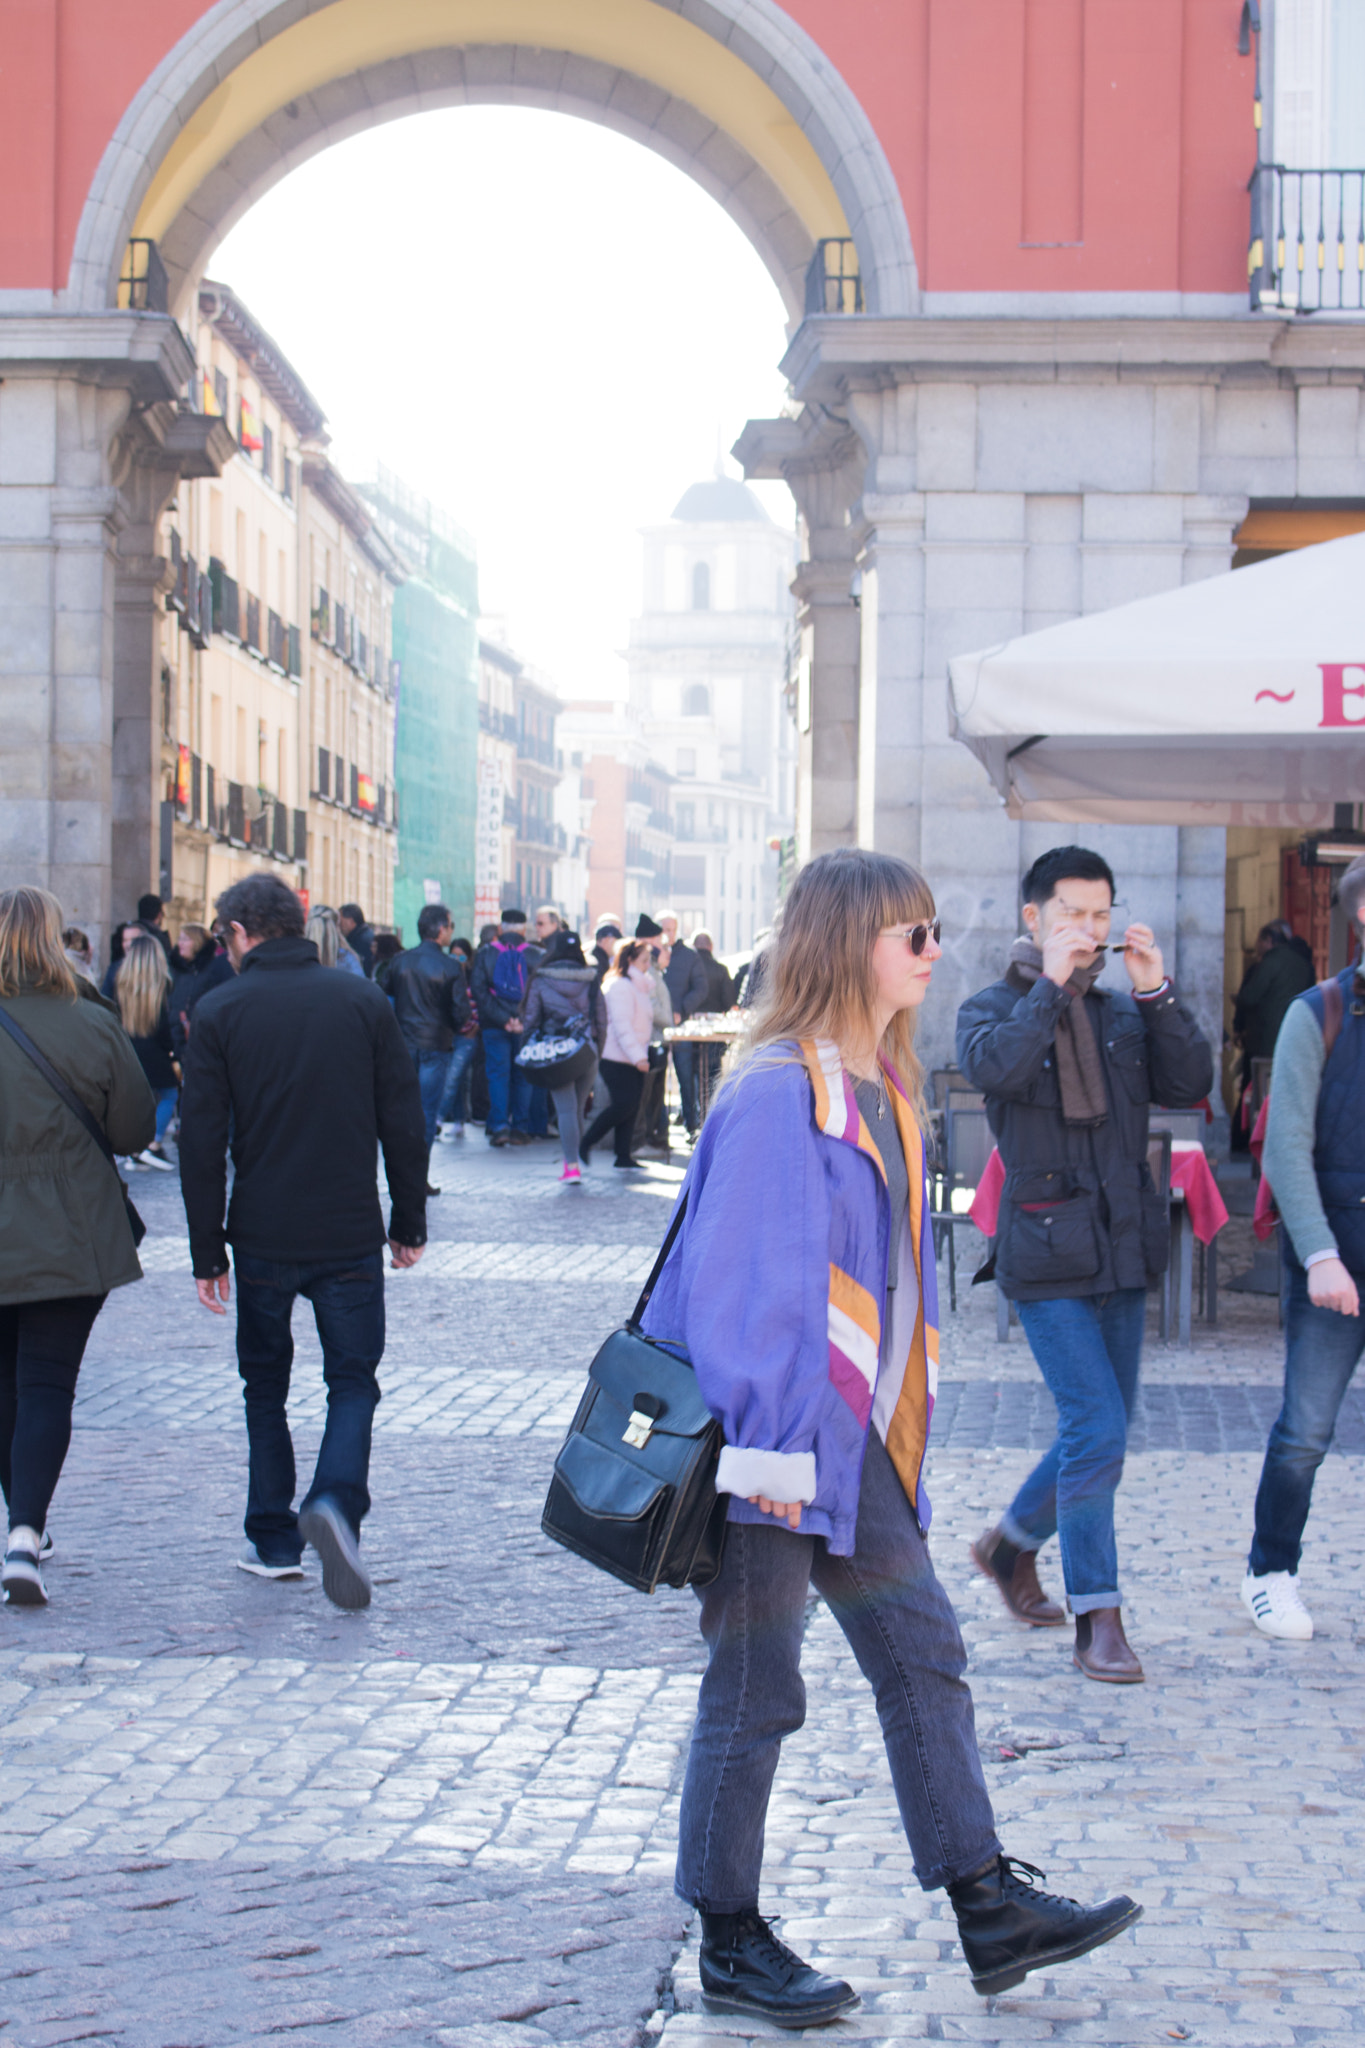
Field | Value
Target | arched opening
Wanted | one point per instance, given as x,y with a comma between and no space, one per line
701,586
748,106
696,701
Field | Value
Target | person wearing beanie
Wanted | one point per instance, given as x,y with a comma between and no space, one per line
687,986
645,927
1314,1161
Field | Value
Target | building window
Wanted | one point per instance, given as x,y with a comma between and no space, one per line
696,701
701,586
687,761
220,391
268,452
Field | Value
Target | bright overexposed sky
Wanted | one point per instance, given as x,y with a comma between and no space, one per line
541,326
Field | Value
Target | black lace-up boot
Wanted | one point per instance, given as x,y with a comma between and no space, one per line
1010,1926
746,1969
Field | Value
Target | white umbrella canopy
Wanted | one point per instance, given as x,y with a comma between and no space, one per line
1239,700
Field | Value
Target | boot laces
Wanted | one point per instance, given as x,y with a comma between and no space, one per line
754,1925
1030,1880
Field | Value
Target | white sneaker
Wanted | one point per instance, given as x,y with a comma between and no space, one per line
154,1156
446,1134
1274,1605
252,1561
23,1582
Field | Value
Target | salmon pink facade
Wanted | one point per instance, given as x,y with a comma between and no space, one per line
1045,265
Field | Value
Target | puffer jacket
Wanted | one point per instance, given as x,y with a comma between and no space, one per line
562,994
1079,1214
630,1018
776,1290
63,1229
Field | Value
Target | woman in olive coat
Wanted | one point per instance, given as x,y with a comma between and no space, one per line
65,1239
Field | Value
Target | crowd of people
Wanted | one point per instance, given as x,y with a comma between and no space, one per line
800,1281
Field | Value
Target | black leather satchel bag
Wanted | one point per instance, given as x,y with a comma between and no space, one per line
634,1486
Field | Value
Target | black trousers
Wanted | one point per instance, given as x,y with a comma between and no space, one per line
41,1347
626,1083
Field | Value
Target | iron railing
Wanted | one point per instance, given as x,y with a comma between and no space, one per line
833,282
1307,247
143,286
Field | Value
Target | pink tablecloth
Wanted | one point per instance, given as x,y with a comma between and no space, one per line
1190,1172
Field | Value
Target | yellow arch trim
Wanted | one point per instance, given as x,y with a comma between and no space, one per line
633,35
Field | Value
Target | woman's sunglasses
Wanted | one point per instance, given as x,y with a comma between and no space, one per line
916,936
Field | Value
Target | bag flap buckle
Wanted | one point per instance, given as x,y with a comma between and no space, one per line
643,1416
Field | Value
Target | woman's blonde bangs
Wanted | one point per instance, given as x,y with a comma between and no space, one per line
32,958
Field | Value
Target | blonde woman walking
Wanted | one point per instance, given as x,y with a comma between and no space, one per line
324,929
65,1239
142,986
802,1288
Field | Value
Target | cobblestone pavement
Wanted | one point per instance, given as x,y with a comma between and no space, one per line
229,1812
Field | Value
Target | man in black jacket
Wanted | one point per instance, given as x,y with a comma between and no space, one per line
308,1068
498,983
358,933
685,977
1069,1072
431,1002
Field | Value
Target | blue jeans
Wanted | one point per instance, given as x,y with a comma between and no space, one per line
904,1634
452,1104
348,1307
1088,1351
1322,1350
509,1091
166,1099
432,1068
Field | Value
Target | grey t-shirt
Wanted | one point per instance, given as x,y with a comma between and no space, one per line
887,1139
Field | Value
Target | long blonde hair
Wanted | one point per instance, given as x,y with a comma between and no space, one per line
140,987
819,981
32,960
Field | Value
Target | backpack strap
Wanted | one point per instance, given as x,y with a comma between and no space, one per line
1333,1008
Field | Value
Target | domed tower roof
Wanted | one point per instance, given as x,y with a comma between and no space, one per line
720,500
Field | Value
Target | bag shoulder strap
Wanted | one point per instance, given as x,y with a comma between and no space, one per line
55,1082
633,1320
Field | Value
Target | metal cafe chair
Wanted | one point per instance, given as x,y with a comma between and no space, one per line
1159,1165
1187,1126
967,1145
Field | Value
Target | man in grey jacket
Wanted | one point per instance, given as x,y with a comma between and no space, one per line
1314,1160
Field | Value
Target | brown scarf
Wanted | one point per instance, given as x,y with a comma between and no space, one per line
1080,1073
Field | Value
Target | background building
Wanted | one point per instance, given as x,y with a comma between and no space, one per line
709,661
232,721
435,649
630,840
352,575
540,838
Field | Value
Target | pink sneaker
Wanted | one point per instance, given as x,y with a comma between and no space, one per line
571,1173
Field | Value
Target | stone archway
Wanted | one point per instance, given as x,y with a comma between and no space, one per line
732,91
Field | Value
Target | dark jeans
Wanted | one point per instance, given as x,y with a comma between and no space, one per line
1322,1350
41,1347
509,1091
904,1634
1088,1351
432,1069
625,1083
685,1067
455,1095
348,1307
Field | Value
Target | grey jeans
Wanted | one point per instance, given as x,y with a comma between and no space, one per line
571,1105
904,1634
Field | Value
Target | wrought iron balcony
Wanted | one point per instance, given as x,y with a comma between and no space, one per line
833,284
1307,250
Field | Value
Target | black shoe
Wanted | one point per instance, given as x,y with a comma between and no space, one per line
1009,1927
746,1969
630,1166
431,1191
499,1137
345,1580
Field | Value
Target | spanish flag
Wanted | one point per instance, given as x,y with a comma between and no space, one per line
210,396
250,436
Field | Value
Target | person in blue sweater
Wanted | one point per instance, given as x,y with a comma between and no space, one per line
1314,1160
802,1288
